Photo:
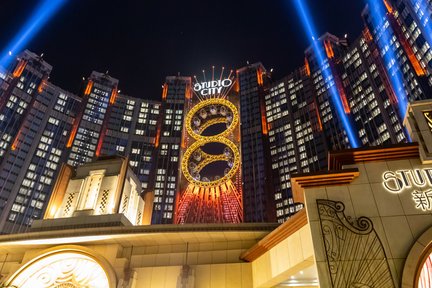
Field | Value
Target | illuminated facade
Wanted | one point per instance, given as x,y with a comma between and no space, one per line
347,94
366,221
211,193
107,186
398,45
131,132
35,119
168,142
88,132
297,143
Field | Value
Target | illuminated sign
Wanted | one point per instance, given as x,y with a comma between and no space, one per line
398,181
428,116
210,189
212,87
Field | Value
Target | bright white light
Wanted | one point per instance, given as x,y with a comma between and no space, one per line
65,240
62,269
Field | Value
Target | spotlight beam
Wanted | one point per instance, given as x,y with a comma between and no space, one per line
318,49
41,15
379,21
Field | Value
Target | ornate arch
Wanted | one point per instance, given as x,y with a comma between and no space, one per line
66,266
419,253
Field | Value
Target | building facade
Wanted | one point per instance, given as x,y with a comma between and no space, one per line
347,94
366,222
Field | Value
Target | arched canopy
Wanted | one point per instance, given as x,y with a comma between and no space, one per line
418,265
64,267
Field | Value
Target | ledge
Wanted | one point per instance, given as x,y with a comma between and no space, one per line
285,230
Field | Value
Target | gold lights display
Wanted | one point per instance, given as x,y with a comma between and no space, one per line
191,169
211,183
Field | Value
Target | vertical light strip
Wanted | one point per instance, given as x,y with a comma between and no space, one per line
318,49
384,41
41,15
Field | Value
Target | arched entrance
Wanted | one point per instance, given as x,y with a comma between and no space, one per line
424,278
417,271
64,268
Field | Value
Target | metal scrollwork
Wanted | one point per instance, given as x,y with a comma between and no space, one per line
355,254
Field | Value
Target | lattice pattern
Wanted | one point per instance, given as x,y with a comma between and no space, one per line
104,201
68,207
139,216
125,203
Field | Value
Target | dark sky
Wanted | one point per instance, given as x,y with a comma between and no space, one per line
141,41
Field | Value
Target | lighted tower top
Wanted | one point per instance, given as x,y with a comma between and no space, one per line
104,191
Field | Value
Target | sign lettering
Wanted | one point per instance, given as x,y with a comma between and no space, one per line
398,181
212,87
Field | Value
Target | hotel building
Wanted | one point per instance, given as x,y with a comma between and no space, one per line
366,221
350,94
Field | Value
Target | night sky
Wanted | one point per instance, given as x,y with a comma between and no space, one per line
140,42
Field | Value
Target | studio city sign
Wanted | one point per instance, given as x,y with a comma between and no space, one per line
418,181
212,87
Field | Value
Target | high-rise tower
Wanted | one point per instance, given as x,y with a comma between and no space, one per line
168,142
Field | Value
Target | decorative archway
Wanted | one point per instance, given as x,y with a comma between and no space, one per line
424,273
417,271
65,267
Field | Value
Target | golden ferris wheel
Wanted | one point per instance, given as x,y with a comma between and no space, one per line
216,197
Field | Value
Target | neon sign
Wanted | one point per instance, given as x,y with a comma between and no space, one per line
398,181
212,87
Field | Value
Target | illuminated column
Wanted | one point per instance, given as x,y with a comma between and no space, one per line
211,193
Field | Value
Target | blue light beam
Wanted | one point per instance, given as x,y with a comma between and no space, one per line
380,23
326,71
41,15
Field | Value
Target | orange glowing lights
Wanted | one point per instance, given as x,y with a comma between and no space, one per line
367,35
188,94
100,143
73,133
328,49
19,69
388,6
15,142
208,203
343,97
164,92
237,86
264,125
114,94
157,138
307,67
42,85
420,71
320,126
260,79
344,101
88,88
